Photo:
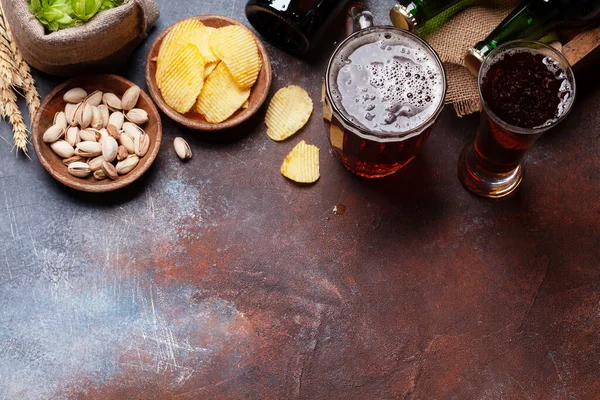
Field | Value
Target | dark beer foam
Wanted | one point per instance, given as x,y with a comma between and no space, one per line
526,88
386,82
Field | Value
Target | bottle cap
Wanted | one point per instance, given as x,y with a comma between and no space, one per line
473,60
402,18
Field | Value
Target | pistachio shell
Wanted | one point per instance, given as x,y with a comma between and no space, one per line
85,116
112,101
60,119
97,122
70,110
72,136
122,153
88,135
53,133
133,130
63,149
141,145
88,149
79,169
116,119
137,116
109,148
96,163
128,164
127,141
75,95
182,148
130,98
73,159
94,99
105,114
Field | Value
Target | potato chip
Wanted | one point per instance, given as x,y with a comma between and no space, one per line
221,96
209,68
183,79
236,47
178,36
288,112
246,104
302,163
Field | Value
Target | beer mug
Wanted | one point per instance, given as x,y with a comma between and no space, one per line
384,90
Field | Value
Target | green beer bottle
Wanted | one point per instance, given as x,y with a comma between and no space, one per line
532,20
412,14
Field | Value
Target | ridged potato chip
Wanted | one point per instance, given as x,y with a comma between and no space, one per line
183,79
221,96
180,35
288,112
201,39
209,68
236,47
302,163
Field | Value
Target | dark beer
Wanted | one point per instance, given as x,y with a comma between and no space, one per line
385,89
525,89
533,20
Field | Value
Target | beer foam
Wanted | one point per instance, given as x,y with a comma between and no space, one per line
386,82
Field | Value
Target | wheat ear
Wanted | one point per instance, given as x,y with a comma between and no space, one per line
32,96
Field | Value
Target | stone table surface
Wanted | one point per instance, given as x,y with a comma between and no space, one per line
218,278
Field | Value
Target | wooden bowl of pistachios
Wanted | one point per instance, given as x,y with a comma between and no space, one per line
97,133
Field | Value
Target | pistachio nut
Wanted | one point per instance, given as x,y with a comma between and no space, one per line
130,98
116,119
53,133
141,145
112,101
63,149
79,169
109,148
96,163
137,116
110,170
60,119
99,174
133,130
128,164
88,149
73,159
88,135
75,95
94,99
97,122
122,153
70,110
84,117
72,136
127,141
105,112
182,148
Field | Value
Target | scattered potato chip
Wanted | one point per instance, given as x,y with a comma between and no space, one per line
246,104
209,68
183,79
178,36
236,47
302,163
288,112
221,96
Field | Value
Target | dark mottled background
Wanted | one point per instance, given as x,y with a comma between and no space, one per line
218,278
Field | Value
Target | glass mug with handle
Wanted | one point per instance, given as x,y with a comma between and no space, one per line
384,90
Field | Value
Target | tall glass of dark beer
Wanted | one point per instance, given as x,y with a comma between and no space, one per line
526,88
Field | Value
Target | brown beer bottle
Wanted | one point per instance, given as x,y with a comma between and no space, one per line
533,20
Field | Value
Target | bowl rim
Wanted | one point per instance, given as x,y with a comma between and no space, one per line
204,125
80,184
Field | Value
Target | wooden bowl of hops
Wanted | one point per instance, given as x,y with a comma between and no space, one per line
192,118
97,133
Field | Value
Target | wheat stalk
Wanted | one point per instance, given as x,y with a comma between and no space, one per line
32,96
9,77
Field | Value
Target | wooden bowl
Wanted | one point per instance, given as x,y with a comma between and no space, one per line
54,103
195,121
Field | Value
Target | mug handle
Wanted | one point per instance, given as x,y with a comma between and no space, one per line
358,18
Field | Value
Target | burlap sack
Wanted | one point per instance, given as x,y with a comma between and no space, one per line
461,30
102,44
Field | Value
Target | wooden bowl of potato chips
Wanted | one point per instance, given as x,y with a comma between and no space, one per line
208,72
